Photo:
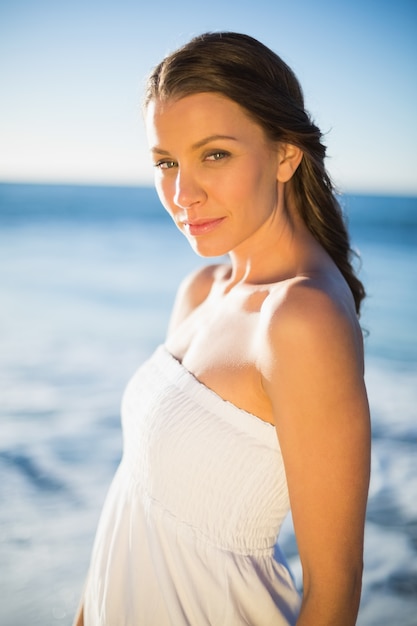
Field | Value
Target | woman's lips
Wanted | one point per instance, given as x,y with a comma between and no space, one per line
202,227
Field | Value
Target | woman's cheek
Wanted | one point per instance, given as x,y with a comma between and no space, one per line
162,189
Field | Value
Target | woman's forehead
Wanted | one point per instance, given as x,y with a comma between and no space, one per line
205,108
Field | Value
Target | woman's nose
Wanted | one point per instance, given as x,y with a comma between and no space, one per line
187,190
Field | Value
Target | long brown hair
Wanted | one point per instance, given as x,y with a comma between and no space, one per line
246,71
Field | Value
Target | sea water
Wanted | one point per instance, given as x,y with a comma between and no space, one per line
87,280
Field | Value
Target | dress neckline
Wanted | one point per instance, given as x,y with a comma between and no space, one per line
212,401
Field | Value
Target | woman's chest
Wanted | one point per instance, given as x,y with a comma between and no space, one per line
220,345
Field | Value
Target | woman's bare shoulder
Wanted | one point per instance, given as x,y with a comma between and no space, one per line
193,290
309,312
312,299
196,286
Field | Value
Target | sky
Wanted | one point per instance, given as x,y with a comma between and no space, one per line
72,77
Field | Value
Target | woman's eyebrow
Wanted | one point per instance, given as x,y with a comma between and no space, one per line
198,144
156,150
203,142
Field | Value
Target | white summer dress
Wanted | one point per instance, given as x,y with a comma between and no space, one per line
187,535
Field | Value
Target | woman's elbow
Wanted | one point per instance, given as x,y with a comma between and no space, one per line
332,600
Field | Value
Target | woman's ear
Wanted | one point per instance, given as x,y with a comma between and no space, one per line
289,159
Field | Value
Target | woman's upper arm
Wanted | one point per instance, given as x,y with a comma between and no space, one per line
314,379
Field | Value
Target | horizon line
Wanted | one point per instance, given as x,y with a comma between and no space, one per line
351,191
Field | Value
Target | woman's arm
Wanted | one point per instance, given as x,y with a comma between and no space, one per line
313,374
79,617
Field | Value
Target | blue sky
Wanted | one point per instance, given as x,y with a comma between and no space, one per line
72,74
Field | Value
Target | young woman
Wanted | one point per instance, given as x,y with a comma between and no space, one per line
256,402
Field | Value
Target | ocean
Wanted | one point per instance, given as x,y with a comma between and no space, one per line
87,280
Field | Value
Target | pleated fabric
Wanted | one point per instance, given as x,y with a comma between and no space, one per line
188,533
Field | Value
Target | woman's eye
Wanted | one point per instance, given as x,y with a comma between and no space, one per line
165,165
217,155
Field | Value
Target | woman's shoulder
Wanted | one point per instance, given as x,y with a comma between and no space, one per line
310,332
196,286
311,308
193,290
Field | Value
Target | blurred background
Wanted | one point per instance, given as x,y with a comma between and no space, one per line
89,262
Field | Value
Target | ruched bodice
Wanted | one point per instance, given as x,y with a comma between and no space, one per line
189,527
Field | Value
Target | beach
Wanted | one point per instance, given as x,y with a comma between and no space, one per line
87,281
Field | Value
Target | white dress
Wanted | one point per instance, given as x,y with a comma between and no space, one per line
188,532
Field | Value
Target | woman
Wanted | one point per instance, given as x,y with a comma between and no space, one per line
256,402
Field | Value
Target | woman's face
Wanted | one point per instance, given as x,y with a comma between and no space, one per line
216,173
